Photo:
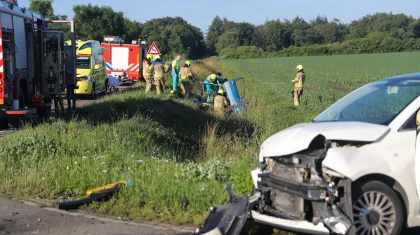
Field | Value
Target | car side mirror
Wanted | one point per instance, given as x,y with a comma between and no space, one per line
97,66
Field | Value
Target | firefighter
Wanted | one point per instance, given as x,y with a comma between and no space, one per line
298,85
221,104
184,78
212,83
147,71
176,66
159,71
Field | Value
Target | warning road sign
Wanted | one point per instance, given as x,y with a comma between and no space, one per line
153,50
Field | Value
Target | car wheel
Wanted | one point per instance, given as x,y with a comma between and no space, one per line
377,209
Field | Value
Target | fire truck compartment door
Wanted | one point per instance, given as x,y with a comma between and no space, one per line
6,21
120,58
20,41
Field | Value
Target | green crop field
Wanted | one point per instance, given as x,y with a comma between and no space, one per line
169,147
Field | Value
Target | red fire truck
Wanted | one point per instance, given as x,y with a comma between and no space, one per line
32,67
123,61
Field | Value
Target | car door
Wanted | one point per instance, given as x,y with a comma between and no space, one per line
417,159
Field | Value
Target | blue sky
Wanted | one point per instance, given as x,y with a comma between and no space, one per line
201,12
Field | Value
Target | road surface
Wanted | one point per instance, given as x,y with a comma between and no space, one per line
20,218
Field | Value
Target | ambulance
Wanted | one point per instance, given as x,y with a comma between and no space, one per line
90,68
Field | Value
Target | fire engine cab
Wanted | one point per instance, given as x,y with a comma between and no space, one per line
32,67
123,61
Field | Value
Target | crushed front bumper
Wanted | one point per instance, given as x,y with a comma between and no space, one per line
301,226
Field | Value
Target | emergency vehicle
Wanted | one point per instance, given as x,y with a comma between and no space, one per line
123,61
90,68
32,68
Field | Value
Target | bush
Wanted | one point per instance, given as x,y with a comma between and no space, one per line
243,52
353,46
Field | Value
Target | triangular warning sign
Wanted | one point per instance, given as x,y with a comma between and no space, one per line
153,50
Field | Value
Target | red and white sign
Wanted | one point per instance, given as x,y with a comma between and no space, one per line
153,50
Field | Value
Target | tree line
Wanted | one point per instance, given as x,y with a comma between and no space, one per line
381,32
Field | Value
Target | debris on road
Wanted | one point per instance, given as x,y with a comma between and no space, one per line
96,194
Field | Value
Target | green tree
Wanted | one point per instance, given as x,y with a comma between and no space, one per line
132,30
228,40
216,29
278,35
174,36
43,7
94,22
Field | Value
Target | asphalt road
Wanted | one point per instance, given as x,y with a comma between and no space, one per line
20,218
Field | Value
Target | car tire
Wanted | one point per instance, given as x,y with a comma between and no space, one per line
377,209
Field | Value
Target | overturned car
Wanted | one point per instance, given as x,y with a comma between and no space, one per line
354,169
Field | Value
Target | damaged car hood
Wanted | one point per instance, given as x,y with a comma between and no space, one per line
297,138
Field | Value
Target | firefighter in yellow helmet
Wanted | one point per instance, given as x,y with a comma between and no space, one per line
185,76
147,71
298,82
221,104
159,71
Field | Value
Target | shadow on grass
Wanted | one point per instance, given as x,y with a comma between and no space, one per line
186,122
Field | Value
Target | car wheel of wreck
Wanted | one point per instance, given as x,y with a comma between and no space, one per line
377,209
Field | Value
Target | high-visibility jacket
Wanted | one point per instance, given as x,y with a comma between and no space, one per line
176,66
159,69
210,79
220,104
185,73
147,69
299,79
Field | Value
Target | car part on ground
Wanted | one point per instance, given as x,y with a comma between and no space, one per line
97,194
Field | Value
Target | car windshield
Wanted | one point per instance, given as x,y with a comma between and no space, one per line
83,62
378,103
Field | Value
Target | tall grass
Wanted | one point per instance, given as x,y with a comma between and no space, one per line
169,147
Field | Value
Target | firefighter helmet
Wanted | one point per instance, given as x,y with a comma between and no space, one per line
149,56
188,63
213,77
221,91
299,67
157,57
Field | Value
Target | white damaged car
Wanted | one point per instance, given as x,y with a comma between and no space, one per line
355,169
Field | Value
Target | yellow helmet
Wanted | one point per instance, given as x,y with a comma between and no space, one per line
221,91
149,56
299,67
188,63
213,77
157,57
